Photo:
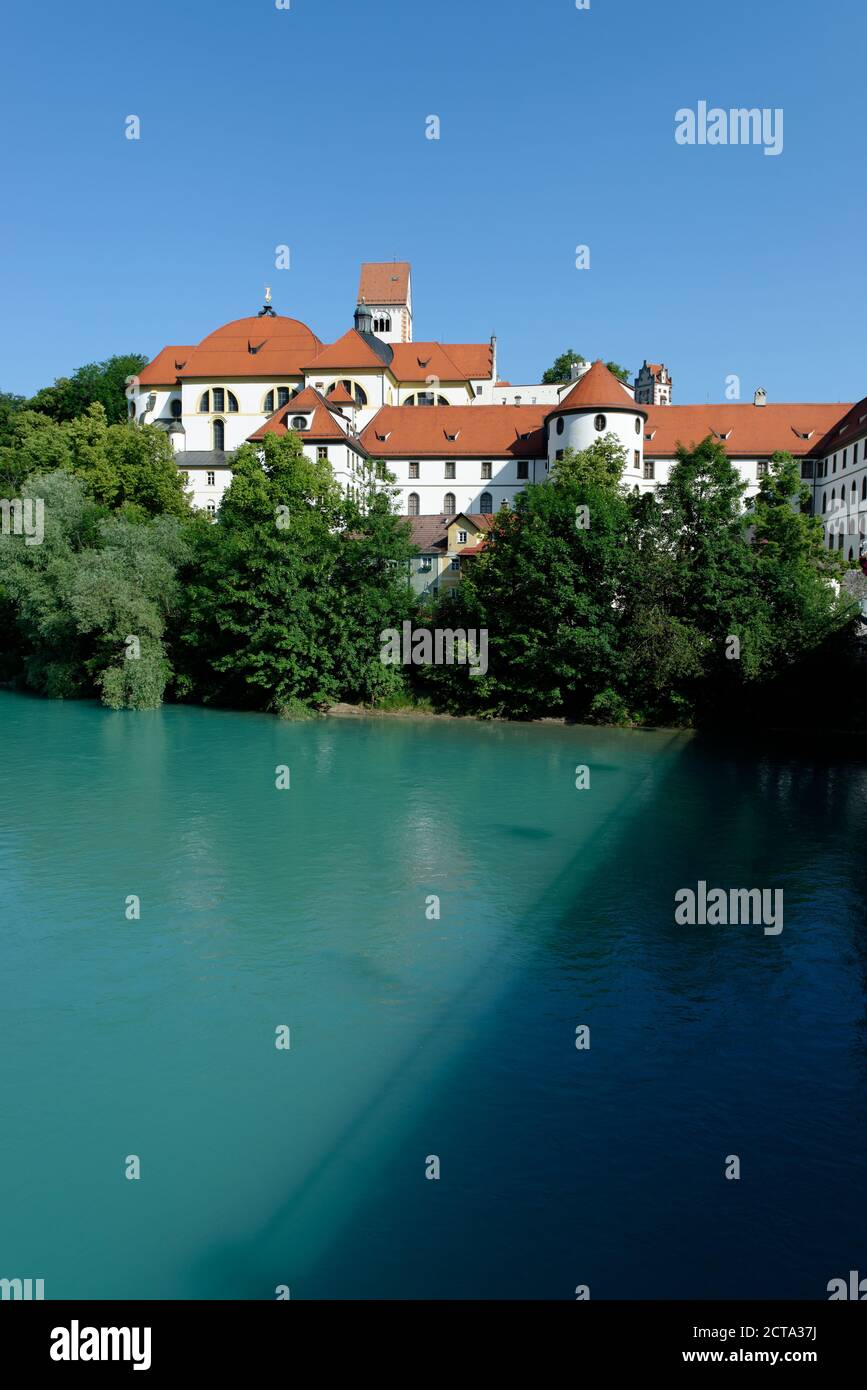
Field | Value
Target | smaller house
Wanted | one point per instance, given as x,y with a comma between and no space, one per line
445,544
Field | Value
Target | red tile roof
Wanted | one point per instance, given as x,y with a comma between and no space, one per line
846,430
350,352
456,431
323,424
447,361
339,396
163,370
259,347
598,388
745,429
430,533
384,282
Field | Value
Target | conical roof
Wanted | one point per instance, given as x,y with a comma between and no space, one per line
598,389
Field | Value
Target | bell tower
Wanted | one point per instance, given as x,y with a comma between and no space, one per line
385,288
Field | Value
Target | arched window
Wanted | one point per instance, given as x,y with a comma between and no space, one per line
833,495
425,398
486,502
382,324
219,435
864,488
449,504
412,504
854,491
176,408
268,403
132,410
851,556
600,423
824,501
561,424
637,426
219,399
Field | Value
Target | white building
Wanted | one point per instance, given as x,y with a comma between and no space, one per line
653,385
457,438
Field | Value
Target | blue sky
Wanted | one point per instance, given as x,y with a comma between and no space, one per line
306,127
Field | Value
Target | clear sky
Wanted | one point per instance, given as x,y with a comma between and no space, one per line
306,127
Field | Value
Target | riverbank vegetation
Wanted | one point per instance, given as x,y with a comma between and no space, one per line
600,604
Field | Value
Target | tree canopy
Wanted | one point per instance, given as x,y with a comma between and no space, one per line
561,368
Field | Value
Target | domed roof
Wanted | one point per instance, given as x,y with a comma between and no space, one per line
598,389
259,346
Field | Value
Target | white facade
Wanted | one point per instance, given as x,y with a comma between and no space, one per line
208,416
434,488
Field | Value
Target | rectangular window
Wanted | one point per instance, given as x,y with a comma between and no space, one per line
637,458
450,470
807,468
762,468
854,453
478,390
413,470
219,398
455,563
649,468
424,564
486,470
845,452
523,468
557,456
211,479
322,452
462,537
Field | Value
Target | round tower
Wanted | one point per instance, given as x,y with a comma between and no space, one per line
598,405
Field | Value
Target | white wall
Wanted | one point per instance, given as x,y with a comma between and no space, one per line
579,432
467,484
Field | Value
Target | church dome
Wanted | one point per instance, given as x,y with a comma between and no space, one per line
260,346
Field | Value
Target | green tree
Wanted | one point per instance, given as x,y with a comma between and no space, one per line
546,591
561,368
119,464
91,601
292,585
102,382
600,465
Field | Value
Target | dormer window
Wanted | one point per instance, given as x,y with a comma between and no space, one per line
299,422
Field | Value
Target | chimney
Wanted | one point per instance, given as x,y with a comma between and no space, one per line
761,396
